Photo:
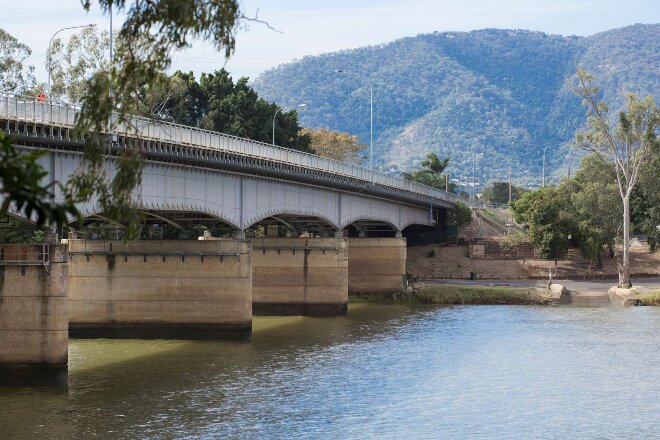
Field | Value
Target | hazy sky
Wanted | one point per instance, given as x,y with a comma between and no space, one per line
315,26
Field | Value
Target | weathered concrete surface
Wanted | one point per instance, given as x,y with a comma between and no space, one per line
185,289
560,294
376,265
624,297
33,305
299,276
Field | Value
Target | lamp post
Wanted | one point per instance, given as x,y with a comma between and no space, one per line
544,148
279,110
51,42
371,118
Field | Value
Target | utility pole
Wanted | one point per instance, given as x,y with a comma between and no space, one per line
474,196
509,184
543,180
110,63
371,117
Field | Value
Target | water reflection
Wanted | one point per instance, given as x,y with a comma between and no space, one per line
386,371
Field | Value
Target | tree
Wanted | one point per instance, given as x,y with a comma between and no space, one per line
335,145
431,173
545,213
645,201
627,144
236,109
15,77
498,192
595,206
155,99
151,33
460,216
73,63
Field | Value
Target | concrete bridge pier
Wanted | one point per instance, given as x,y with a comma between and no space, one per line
33,312
376,265
299,276
160,288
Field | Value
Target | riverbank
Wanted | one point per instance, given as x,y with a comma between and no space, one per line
453,262
448,294
650,299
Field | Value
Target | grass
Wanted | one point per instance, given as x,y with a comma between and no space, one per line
452,295
650,299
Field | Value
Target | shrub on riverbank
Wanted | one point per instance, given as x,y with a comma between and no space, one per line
650,299
453,295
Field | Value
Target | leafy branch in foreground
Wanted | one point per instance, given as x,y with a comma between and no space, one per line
152,32
21,175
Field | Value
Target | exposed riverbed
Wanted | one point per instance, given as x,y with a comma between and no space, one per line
386,371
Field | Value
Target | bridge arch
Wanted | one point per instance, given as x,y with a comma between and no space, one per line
296,220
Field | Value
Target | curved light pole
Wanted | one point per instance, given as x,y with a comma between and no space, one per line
371,117
51,42
279,110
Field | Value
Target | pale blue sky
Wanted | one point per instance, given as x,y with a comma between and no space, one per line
313,27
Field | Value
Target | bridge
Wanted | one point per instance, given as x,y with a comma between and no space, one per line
233,182
275,231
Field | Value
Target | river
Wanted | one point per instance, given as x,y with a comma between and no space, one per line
480,372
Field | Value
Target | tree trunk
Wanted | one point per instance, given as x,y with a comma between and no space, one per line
624,267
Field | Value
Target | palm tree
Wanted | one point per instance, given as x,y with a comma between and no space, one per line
434,165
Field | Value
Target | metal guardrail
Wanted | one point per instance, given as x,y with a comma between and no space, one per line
30,110
24,254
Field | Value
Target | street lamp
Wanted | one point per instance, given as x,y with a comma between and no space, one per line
371,117
545,148
51,42
279,110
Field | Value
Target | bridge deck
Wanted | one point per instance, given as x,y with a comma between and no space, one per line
63,116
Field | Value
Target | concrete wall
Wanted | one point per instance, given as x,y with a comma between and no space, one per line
33,305
376,265
299,276
160,288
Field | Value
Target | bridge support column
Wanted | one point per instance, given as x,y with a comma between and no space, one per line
182,289
299,276
33,309
376,265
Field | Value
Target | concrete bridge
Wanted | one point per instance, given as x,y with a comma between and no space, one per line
283,232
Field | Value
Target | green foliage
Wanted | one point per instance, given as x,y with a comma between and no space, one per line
431,173
14,230
498,192
595,206
15,77
217,103
502,92
645,200
73,62
460,216
627,144
544,212
21,180
335,145
451,295
151,33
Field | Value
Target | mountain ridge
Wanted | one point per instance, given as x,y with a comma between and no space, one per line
501,92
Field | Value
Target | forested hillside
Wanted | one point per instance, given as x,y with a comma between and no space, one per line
501,92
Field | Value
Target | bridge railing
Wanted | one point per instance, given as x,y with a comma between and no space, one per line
28,109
